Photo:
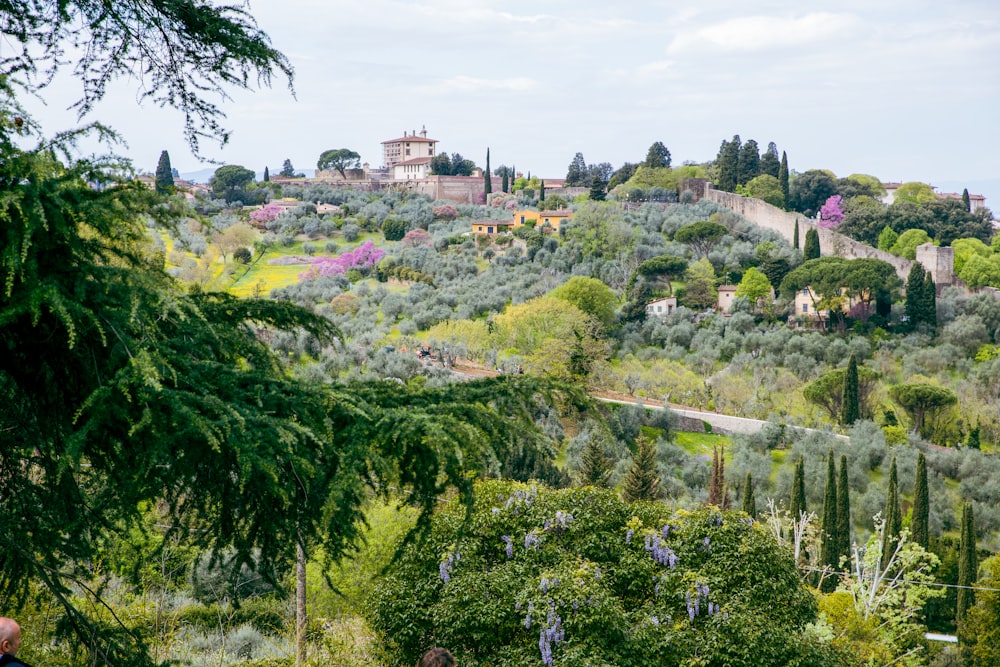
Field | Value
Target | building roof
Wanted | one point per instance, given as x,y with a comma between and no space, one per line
559,213
412,138
727,288
413,161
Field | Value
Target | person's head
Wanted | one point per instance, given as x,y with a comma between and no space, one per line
437,657
10,636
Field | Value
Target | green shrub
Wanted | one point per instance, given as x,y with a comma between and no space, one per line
595,581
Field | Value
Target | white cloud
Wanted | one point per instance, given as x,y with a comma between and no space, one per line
758,33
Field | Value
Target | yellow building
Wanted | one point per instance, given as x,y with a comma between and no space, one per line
492,227
553,219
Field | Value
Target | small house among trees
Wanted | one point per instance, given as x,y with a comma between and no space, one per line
661,307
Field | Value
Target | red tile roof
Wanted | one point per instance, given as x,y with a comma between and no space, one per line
411,138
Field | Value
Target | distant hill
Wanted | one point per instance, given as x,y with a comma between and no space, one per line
204,175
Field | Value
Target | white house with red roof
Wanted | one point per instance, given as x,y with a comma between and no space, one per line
409,156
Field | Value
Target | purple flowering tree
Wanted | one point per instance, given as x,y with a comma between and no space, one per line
362,258
832,213
265,214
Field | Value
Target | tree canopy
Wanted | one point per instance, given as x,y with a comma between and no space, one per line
185,52
339,159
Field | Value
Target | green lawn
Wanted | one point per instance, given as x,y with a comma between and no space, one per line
699,443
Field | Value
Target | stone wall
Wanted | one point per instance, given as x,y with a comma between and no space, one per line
770,217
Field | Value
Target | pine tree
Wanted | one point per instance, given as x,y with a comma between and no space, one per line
968,563
795,235
749,503
287,170
748,162
928,302
829,539
850,402
914,295
595,466
641,480
921,505
267,175
843,512
487,176
798,503
164,174
811,248
783,178
576,175
893,519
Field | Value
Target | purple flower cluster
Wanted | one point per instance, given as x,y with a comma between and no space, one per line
532,541
527,618
699,601
551,635
628,536
510,545
716,520
662,554
365,255
520,496
560,522
546,584
446,566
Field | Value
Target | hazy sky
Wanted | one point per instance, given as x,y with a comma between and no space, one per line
901,89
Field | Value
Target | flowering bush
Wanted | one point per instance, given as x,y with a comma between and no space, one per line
417,237
362,259
445,212
578,577
831,214
265,214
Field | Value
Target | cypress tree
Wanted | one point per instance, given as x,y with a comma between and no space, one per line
728,161
783,179
595,466
968,563
795,235
749,503
798,502
843,512
718,494
597,189
487,177
914,295
541,192
164,174
965,199
893,520
267,175
928,307
811,249
641,481
829,538
851,408
921,505
505,183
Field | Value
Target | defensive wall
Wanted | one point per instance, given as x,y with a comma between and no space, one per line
832,243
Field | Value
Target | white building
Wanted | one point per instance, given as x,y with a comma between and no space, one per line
407,148
661,307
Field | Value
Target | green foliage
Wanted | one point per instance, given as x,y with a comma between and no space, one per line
755,287
766,188
851,398
797,504
968,566
727,162
339,159
230,182
843,512
915,192
394,228
920,400
783,180
795,235
887,239
749,504
657,156
892,515
811,249
591,296
829,555
641,480
906,244
608,580
597,192
700,285
164,174
978,271
981,631
701,236
919,524
211,49
828,390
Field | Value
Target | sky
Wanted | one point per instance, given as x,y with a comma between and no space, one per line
905,90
